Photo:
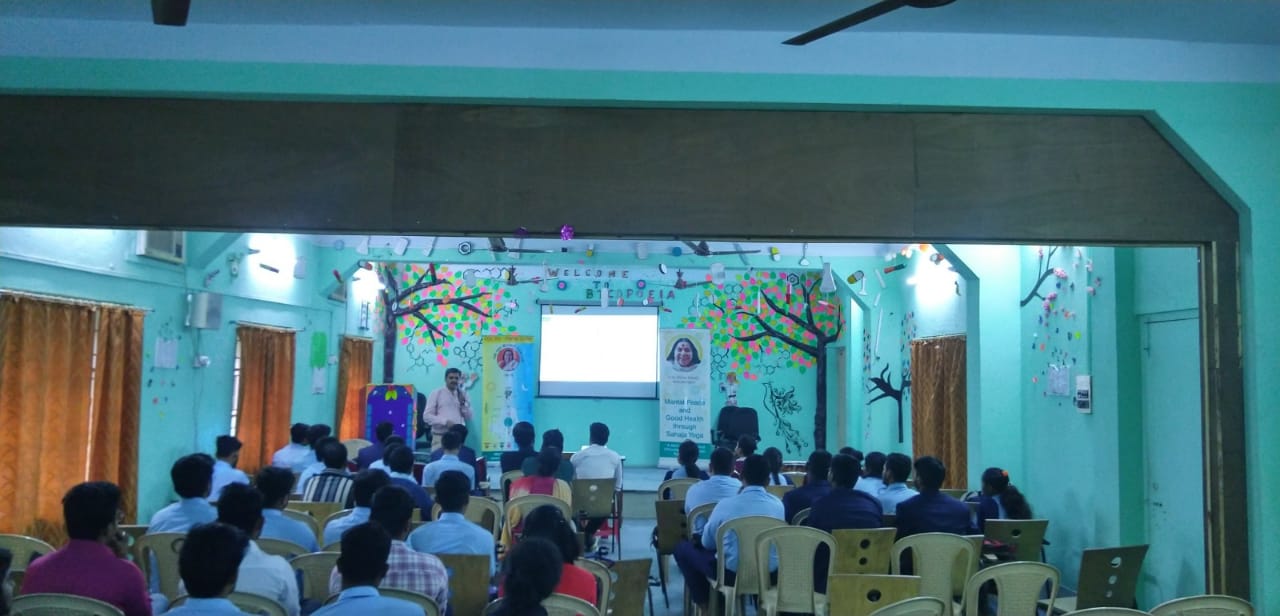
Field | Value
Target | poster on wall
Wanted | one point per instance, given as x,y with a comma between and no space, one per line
684,392
508,389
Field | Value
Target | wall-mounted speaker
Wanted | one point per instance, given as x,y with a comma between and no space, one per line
170,12
204,311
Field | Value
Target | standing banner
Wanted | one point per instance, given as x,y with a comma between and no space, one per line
508,389
684,392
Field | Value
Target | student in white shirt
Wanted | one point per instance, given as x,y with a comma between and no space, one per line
597,462
295,456
260,573
873,482
366,483
897,468
317,434
225,473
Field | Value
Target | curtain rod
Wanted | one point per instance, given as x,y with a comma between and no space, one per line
67,299
272,327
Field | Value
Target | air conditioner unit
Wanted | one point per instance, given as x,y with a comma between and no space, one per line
168,246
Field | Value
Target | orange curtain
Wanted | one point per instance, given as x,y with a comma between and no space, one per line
46,354
939,415
355,369
117,393
266,393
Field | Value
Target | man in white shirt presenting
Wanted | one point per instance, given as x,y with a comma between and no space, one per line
597,462
446,406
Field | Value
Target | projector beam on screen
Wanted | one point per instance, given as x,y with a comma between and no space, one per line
598,352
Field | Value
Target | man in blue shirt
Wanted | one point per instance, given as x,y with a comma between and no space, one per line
453,533
400,463
274,484
208,563
719,486
897,469
872,482
372,453
366,483
466,454
363,564
815,485
450,442
842,507
192,477
227,450
698,563
932,511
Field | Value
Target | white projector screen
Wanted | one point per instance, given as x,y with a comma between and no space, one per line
598,352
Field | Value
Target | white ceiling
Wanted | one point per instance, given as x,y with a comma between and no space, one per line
417,244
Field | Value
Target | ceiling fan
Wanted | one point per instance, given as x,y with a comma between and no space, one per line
681,283
857,17
703,250
498,245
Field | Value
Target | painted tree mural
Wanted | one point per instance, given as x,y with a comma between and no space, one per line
429,307
774,315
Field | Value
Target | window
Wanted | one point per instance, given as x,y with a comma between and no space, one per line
235,390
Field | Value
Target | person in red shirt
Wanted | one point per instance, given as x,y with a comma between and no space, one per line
92,564
546,522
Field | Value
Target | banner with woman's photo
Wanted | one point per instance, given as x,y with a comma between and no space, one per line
684,392
508,389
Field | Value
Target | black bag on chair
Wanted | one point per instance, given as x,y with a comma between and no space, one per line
734,421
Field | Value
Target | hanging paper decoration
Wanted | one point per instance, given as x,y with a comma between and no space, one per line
676,251
893,268
566,232
522,232
338,276
562,285
855,277
774,253
640,284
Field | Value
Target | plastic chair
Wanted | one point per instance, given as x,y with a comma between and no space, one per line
337,515
917,606
517,508
336,546
797,548
801,517
863,550
564,605
1108,578
247,602
319,511
315,569
1204,605
133,532
427,604
485,512
675,489
53,604
279,547
696,518
860,595
1108,611
505,482
672,528
164,547
604,581
1026,537
354,445
597,498
956,493
747,530
934,556
797,478
779,491
24,549
630,587
1018,585
468,581
308,519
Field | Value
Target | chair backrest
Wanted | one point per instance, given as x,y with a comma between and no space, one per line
797,479
132,533
1108,611
24,549
675,489
354,445
337,515
890,519
860,595
257,604
564,605
164,547
486,512
797,548
315,569
915,606
863,550
956,493
747,531
1018,585
280,547
306,518
934,556
1204,605
51,604
1109,576
593,498
522,505
505,482
735,421
1025,537
673,527
604,581
801,516
779,491
427,604
701,512
468,581
630,586
336,546
319,511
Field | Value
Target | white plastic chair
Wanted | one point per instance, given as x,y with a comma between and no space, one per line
919,606
796,547
934,557
1108,611
53,604
1019,585
747,581
1204,605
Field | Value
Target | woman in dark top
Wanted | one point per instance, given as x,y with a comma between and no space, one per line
522,433
688,459
530,574
1000,500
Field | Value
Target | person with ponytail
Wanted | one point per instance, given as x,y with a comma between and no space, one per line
547,523
773,456
530,574
1000,500
687,457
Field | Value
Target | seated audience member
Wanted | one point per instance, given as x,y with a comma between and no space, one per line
522,433
94,562
400,459
406,569
546,522
931,511
260,573
544,482
466,454
192,477
897,469
1000,500
224,467
362,489
452,532
423,441
687,457
773,456
209,563
317,436
872,481
333,485
719,486
450,442
698,563
746,447
815,485
597,461
550,438
366,553
274,483
372,453
530,575
842,507
296,456
381,463
6,588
